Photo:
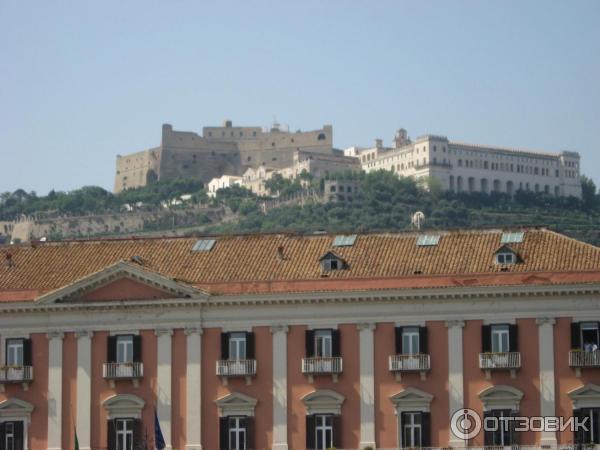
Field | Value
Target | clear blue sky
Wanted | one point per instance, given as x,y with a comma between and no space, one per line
81,82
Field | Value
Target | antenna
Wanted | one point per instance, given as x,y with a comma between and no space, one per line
417,219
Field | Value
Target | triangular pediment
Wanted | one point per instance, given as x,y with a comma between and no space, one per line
501,397
411,395
14,407
122,281
587,396
236,403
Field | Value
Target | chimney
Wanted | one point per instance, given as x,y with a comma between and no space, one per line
280,253
227,123
9,260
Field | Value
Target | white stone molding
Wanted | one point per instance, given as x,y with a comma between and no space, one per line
501,397
123,406
367,383
547,386
163,382
587,396
455,373
14,409
84,387
315,325
411,399
280,439
55,357
236,404
323,401
193,388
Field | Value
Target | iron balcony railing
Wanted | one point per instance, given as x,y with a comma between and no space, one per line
581,358
322,365
236,367
410,363
123,371
16,374
503,360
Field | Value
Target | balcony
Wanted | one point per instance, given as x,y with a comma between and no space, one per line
133,371
579,359
236,368
500,361
322,366
420,362
16,374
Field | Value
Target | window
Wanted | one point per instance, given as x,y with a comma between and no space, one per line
590,338
321,137
410,340
512,238
331,262
323,343
503,433
12,435
124,430
344,241
428,240
505,258
237,346
323,432
204,245
500,339
14,352
592,435
237,433
411,429
124,349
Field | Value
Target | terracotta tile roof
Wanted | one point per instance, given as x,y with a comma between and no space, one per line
254,258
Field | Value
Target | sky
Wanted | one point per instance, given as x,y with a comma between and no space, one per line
81,82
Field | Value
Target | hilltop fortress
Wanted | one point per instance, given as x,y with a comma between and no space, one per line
220,150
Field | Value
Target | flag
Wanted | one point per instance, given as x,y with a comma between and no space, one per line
76,440
159,440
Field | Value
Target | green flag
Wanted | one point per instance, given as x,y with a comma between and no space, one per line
76,440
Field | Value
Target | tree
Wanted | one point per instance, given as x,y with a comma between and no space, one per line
589,196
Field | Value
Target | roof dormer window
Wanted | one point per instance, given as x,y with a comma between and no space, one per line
505,256
330,261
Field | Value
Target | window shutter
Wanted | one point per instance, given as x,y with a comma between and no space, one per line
250,345
224,433
488,436
513,338
309,336
486,338
249,425
111,349
19,435
224,345
515,436
423,341
27,359
426,429
402,438
2,436
111,439
310,432
138,435
336,421
336,345
575,336
137,348
398,333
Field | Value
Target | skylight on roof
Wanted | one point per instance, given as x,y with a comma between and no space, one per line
428,240
344,241
204,245
512,238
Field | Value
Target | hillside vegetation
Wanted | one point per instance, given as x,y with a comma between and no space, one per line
386,203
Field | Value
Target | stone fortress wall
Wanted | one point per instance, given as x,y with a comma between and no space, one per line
220,150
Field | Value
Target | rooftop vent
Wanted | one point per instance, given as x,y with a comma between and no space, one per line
9,260
344,241
204,245
428,240
512,238
280,253
137,259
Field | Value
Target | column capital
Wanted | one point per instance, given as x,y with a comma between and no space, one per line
455,323
280,328
84,334
163,331
55,334
545,320
365,326
193,330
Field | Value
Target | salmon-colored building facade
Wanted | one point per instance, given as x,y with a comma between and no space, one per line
294,342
